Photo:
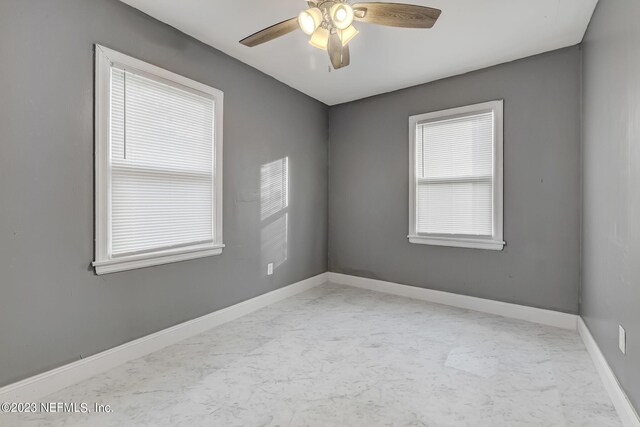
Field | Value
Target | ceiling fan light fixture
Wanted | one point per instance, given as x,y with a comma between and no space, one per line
347,34
342,15
320,38
328,23
309,20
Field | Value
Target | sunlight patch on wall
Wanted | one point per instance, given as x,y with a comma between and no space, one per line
274,187
274,241
274,203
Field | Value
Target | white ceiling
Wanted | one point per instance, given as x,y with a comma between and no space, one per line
470,34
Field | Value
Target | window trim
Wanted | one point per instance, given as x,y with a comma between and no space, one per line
494,242
104,262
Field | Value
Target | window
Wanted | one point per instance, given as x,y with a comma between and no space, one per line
158,165
456,177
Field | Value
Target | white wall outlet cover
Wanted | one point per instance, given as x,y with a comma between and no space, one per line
622,339
269,269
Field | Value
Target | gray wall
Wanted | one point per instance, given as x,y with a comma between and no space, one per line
53,309
611,186
368,186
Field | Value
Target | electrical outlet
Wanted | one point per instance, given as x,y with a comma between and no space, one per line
269,269
622,339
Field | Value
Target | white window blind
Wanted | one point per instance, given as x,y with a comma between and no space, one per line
162,166
455,175
454,165
158,178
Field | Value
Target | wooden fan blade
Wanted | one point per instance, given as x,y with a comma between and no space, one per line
338,54
346,57
334,48
270,33
397,14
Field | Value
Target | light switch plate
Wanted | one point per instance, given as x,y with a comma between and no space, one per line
622,339
269,269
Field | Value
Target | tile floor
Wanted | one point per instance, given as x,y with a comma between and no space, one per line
341,356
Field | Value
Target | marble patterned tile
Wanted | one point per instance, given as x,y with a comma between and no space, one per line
474,360
341,356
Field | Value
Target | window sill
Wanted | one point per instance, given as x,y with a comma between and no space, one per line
148,260
458,242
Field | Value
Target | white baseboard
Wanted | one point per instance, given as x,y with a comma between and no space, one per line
514,311
39,386
36,387
625,409
621,402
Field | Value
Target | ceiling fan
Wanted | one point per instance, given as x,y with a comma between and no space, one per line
330,24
